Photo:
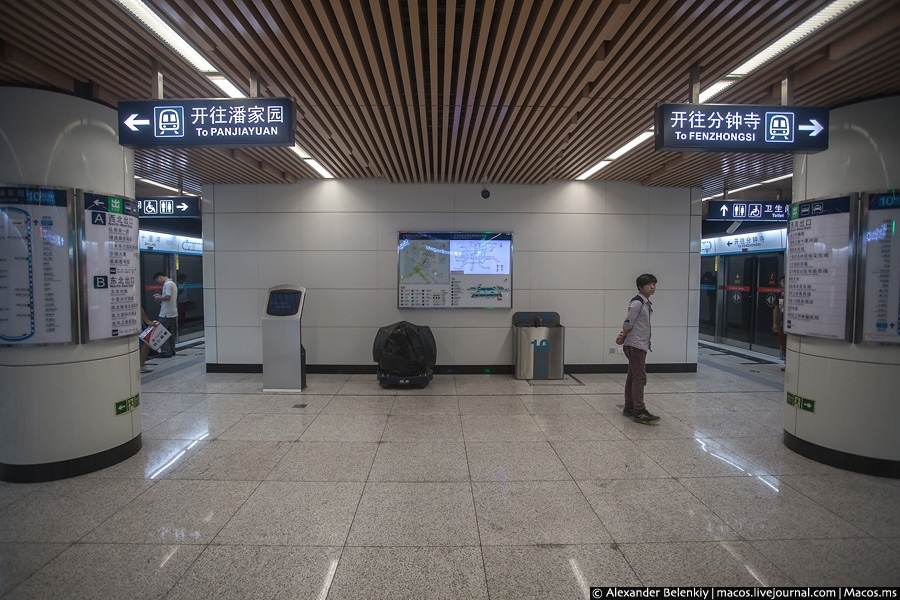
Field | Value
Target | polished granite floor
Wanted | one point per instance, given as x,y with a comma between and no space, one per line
477,487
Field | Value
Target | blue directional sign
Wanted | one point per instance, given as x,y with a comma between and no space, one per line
229,122
748,210
168,206
741,128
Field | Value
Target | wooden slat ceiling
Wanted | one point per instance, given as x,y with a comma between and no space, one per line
492,91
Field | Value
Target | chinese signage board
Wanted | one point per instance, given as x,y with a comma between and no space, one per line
36,268
880,273
152,241
749,210
773,240
168,207
741,128
820,274
110,266
229,122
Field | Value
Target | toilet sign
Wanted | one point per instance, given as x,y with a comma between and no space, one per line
741,128
168,206
228,122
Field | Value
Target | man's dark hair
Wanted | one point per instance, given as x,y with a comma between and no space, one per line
159,274
644,279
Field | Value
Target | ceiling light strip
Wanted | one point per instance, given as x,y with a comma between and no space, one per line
747,187
150,20
230,90
319,168
821,18
815,22
170,37
162,185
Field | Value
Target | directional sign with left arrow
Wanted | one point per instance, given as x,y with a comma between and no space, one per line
207,122
132,122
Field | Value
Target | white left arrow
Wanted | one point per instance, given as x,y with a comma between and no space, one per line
133,120
815,128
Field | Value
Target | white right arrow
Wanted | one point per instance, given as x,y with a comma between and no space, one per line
133,120
724,210
183,207
815,128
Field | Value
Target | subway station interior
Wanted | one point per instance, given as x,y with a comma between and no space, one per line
545,154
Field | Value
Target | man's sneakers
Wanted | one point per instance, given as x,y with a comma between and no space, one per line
627,412
643,416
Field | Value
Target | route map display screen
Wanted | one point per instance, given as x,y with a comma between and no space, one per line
456,269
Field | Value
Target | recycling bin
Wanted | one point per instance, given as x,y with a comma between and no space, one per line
538,345
284,358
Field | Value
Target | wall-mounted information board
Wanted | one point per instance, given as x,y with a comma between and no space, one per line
36,266
110,266
880,270
454,270
820,274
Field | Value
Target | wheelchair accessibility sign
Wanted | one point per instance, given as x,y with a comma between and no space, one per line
168,121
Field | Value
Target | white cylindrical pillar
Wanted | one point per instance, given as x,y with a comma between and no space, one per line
58,413
854,386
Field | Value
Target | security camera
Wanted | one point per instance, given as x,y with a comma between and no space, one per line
485,193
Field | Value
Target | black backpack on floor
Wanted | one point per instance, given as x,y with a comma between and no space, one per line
404,351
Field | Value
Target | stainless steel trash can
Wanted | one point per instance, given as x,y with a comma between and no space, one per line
538,346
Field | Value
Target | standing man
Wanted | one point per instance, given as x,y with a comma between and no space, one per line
635,337
168,311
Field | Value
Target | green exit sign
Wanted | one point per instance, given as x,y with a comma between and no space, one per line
128,404
801,403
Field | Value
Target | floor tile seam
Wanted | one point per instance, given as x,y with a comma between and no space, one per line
724,520
42,567
819,504
701,435
581,492
365,486
760,469
112,515
232,516
475,507
628,545
711,509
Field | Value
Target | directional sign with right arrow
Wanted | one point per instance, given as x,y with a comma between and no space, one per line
741,128
169,207
814,128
